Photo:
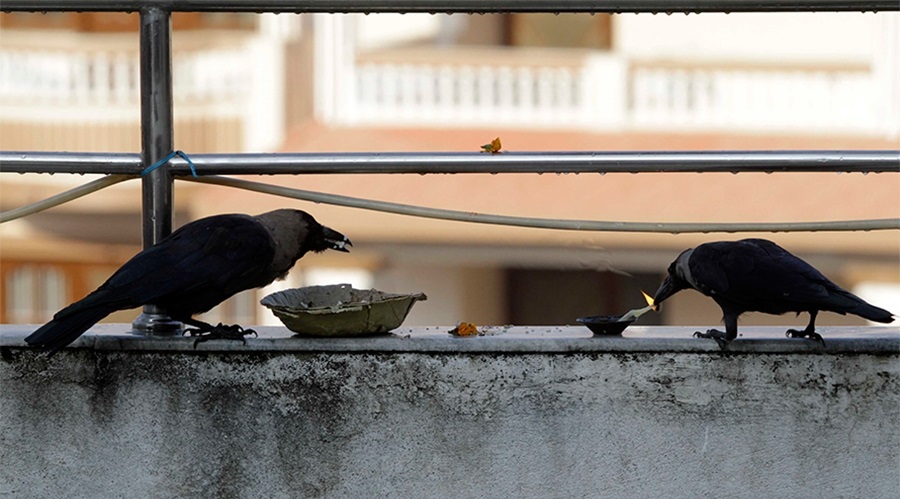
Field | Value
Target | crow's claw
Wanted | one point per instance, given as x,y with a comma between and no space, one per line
713,334
804,333
220,332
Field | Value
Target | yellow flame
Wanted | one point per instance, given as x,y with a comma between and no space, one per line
649,300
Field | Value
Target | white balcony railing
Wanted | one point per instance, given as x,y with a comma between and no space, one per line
546,88
758,99
238,81
388,93
50,85
108,82
604,91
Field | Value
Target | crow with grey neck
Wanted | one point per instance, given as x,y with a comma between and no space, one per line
195,268
756,275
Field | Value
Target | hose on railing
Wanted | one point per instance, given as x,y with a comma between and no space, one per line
63,197
471,217
545,223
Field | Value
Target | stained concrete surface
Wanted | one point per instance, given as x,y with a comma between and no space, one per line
525,412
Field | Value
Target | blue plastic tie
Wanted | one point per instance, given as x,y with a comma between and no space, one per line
166,160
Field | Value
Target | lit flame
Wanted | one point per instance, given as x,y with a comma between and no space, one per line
649,299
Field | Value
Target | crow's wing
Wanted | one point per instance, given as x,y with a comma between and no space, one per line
191,271
759,275
202,262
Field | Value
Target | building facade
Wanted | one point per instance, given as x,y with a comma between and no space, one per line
344,83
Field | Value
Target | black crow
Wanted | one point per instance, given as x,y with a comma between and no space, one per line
756,275
195,268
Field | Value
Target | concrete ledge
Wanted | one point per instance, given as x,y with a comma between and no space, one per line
497,339
532,412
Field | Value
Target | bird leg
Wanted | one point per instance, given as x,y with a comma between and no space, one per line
809,332
204,331
714,334
721,337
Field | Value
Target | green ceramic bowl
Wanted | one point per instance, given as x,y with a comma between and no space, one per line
340,310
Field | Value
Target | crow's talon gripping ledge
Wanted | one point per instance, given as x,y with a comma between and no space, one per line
810,335
713,334
220,332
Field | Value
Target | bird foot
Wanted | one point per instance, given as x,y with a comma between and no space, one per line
219,332
714,334
805,333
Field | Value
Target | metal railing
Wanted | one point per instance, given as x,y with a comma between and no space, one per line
850,161
453,6
157,139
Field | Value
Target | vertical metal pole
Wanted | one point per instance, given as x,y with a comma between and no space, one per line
157,140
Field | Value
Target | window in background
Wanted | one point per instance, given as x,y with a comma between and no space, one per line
561,30
33,293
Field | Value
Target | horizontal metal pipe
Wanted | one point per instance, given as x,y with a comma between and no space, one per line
429,163
457,6
70,162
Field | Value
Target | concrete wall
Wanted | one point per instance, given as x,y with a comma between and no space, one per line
515,413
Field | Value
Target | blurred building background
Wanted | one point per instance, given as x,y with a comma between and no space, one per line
335,83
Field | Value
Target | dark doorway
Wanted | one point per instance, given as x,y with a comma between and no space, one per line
557,296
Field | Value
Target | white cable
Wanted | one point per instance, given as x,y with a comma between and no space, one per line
544,223
63,197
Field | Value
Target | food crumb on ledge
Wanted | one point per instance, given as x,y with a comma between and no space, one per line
465,329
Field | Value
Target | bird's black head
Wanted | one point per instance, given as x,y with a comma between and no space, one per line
328,238
320,238
295,232
676,280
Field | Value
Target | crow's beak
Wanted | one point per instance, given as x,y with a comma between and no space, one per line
336,240
666,289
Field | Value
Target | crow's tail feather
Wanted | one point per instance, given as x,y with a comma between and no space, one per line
66,328
846,302
873,313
